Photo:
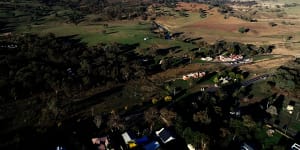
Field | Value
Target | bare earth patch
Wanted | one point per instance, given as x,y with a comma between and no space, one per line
267,65
216,27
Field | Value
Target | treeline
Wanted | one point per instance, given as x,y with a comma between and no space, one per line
107,10
224,47
31,65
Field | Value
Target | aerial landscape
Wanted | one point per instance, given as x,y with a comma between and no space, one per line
150,74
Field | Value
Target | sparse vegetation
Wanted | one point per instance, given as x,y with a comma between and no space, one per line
244,29
272,24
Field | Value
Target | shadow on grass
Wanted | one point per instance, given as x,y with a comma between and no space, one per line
166,51
111,32
5,27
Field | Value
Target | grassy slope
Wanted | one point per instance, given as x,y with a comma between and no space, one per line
126,32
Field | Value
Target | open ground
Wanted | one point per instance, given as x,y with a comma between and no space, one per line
216,27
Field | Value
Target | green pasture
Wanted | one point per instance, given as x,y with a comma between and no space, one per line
262,57
121,32
91,32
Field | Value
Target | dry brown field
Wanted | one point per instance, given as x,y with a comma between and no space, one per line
216,27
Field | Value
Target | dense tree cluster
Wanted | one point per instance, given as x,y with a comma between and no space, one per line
288,77
31,64
224,47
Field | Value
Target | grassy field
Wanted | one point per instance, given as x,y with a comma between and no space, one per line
91,32
213,27
262,57
125,32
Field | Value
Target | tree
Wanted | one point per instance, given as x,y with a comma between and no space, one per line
272,24
203,13
272,110
204,142
202,117
216,80
248,122
98,120
192,137
167,116
243,29
115,122
151,116
75,17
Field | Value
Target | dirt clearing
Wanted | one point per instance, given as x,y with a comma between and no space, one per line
267,65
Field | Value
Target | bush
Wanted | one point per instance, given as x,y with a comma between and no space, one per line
154,100
168,98
243,29
272,24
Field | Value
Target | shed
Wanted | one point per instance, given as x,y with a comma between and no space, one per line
164,135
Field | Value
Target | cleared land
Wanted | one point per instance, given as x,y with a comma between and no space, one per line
216,27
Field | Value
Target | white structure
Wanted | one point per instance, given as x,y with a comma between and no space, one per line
126,137
191,147
290,109
207,59
230,58
224,80
193,75
295,146
164,135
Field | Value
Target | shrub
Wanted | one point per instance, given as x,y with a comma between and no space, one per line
154,100
243,29
168,98
272,24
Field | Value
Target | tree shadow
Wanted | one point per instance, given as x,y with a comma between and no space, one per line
256,111
6,27
165,51
177,34
196,39
111,32
297,136
279,103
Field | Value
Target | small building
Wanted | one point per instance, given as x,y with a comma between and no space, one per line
207,59
101,142
165,135
231,58
224,80
194,75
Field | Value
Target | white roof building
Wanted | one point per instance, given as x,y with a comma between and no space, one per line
164,135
